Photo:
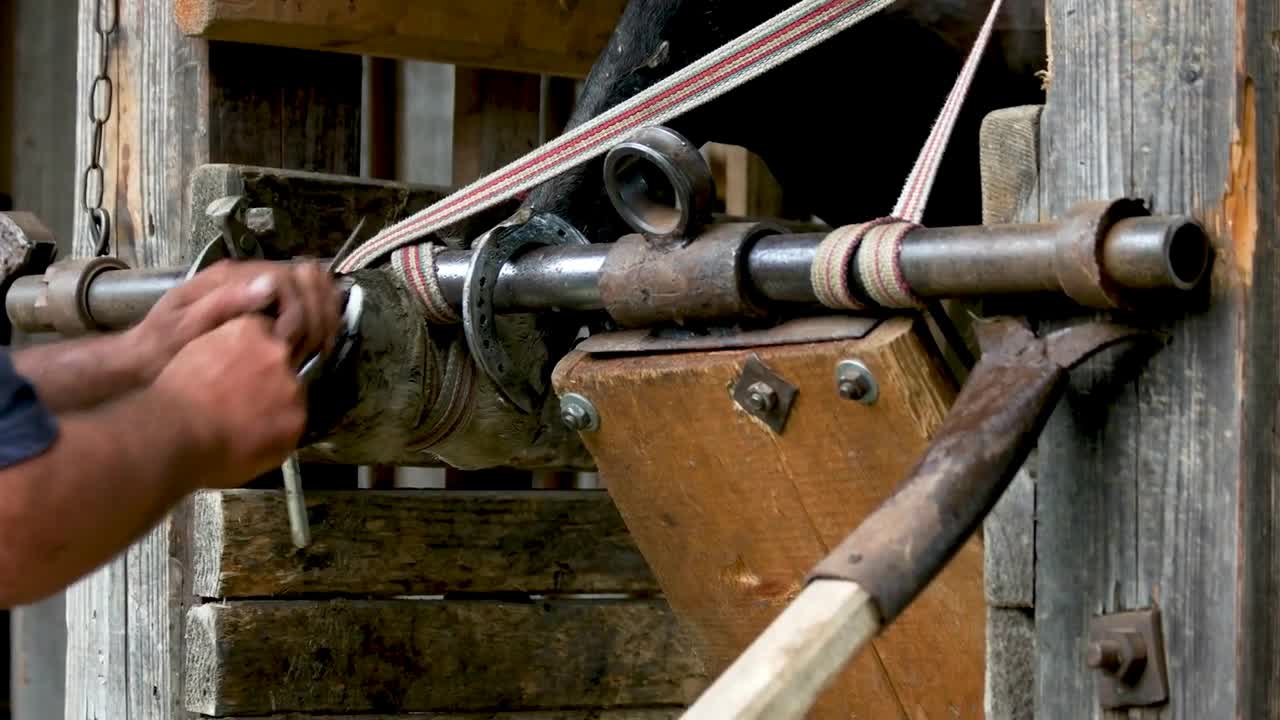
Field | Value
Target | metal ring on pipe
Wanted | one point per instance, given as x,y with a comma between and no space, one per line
660,184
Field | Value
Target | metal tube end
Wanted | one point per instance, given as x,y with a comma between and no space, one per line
1166,252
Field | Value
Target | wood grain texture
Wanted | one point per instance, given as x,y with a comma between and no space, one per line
317,123
495,120
1140,487
253,658
125,621
732,517
541,36
416,543
1253,197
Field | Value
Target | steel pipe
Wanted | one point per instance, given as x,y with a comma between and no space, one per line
1133,254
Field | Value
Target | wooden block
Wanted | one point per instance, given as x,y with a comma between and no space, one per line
415,542
543,36
731,516
315,211
253,658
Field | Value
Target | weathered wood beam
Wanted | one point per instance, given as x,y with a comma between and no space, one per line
253,658
416,543
124,622
1157,481
543,36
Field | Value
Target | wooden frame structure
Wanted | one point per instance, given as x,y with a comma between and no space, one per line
1156,479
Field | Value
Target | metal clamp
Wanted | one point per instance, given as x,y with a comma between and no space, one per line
64,300
660,184
490,253
235,240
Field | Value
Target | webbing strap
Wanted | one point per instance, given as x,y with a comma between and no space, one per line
794,31
876,247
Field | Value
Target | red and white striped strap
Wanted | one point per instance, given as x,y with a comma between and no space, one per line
873,250
804,25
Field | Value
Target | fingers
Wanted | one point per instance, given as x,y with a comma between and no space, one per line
317,295
250,294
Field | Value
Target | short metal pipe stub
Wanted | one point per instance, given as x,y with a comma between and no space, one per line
660,184
64,302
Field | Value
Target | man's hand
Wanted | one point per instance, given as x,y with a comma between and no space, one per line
302,297
237,390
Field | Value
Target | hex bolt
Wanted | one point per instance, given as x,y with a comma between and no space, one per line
761,397
260,220
854,381
578,414
1120,653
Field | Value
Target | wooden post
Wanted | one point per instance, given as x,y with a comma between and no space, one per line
179,103
1157,484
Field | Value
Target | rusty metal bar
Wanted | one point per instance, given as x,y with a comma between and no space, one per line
1134,254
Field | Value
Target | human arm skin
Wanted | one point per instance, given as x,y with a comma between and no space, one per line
228,408
85,372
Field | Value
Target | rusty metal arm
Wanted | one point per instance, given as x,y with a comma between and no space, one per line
875,574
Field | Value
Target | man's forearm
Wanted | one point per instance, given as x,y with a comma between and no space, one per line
113,473
85,372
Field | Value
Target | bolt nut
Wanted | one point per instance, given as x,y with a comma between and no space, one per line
761,397
260,220
854,381
1122,654
578,414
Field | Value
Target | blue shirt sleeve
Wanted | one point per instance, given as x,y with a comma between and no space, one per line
27,428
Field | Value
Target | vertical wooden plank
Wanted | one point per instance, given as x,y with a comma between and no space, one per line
495,120
124,621
1250,206
1141,467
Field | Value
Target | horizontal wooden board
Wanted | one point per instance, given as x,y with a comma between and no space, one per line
535,36
416,542
343,656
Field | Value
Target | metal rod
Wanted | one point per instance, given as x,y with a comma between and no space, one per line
1145,253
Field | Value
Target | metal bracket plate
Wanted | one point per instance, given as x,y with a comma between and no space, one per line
799,331
1127,650
763,394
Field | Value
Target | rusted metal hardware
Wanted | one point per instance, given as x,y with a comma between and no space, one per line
643,284
1139,256
1127,650
661,185
764,394
993,425
27,247
578,413
58,300
855,381
235,239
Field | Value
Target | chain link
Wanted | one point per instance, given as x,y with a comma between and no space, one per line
101,98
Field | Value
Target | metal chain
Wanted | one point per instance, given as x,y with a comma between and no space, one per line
100,100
